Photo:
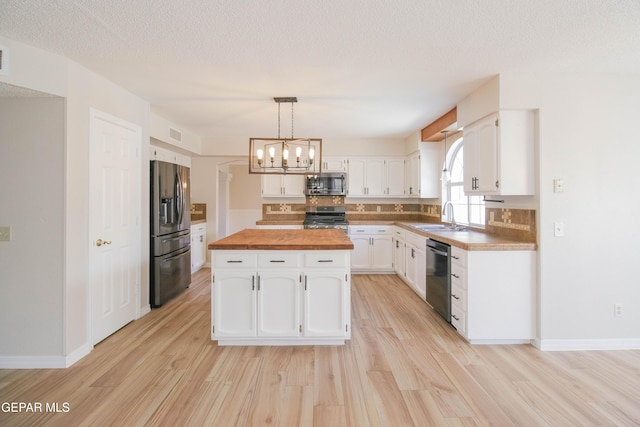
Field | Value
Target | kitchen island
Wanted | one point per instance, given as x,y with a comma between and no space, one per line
281,287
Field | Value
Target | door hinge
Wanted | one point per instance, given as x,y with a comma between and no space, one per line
213,329
213,278
300,328
346,277
497,184
497,122
346,327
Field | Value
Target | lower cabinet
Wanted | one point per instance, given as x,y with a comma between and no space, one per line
198,246
493,295
280,297
410,260
373,248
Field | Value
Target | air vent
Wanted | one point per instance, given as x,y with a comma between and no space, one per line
175,134
4,60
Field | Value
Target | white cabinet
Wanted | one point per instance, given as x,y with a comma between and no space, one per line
395,177
158,153
375,177
493,295
326,297
422,172
415,263
278,303
334,164
280,297
282,185
372,248
234,304
398,243
498,154
198,246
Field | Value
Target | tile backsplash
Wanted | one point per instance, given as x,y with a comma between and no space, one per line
516,224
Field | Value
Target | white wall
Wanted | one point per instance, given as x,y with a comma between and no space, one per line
69,309
586,137
32,194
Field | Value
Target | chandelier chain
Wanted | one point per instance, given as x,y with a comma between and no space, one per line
292,120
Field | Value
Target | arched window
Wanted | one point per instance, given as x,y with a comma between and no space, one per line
468,210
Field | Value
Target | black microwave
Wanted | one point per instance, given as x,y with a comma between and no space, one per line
326,184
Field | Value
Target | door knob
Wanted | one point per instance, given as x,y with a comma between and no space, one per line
101,242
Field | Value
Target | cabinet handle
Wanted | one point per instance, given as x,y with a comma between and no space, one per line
413,253
457,277
253,283
258,282
455,296
234,261
455,257
325,260
453,315
276,260
305,282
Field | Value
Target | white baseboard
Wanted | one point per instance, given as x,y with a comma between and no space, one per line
584,345
44,362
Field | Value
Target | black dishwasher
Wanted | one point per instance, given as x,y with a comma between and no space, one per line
439,278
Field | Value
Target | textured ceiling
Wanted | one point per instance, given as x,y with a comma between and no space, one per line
360,68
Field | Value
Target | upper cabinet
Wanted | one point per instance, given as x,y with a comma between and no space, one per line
498,154
282,185
334,164
375,177
422,172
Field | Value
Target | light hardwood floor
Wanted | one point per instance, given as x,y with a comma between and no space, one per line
403,367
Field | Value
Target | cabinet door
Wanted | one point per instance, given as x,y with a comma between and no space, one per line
375,177
382,252
293,185
333,164
279,303
233,304
412,175
360,254
356,177
395,177
398,257
326,300
480,156
420,269
272,185
411,261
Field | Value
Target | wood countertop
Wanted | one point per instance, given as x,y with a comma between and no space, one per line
472,240
279,240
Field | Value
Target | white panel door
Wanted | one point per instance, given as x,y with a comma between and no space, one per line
115,186
279,303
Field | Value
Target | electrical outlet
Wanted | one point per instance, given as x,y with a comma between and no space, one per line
5,234
617,310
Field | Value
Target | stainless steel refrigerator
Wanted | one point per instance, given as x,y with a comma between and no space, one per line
170,231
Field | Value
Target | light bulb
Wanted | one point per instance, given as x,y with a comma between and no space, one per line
260,153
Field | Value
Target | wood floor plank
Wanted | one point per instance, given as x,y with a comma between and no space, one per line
403,366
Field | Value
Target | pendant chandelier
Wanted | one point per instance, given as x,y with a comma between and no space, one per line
300,156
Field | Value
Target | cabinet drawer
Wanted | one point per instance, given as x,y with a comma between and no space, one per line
278,260
416,240
235,260
198,228
325,259
458,275
459,320
458,256
458,297
370,229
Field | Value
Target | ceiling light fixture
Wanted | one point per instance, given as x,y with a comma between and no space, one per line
445,172
275,155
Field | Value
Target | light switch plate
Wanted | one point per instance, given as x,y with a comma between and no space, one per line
5,234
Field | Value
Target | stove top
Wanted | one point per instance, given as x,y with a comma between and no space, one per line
326,217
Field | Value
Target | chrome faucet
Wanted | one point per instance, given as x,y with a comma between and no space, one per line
444,211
